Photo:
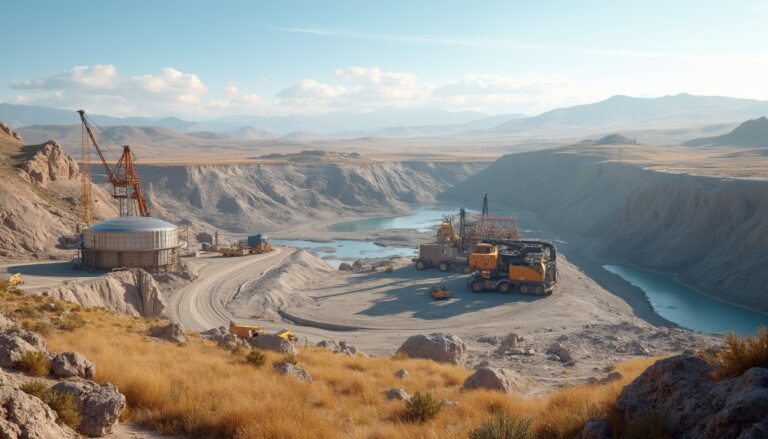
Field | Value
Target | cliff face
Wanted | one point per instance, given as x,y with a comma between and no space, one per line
711,232
49,163
265,197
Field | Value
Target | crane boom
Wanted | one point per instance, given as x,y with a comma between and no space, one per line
126,185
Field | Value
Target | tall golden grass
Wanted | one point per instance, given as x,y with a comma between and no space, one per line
203,391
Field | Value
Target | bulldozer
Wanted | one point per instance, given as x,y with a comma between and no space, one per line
527,266
15,280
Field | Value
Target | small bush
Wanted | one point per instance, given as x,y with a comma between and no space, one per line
70,322
503,426
256,357
389,269
400,356
42,327
27,312
740,354
290,359
64,404
35,363
35,388
422,407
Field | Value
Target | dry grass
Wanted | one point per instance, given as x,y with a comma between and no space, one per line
203,391
740,354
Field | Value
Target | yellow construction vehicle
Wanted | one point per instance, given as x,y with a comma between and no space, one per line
287,334
15,280
441,292
530,267
245,331
258,244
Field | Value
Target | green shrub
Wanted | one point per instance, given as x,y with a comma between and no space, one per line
42,327
740,354
64,404
503,426
35,388
35,363
256,357
27,312
70,322
422,407
290,359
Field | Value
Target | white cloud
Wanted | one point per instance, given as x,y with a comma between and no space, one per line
170,83
309,88
93,77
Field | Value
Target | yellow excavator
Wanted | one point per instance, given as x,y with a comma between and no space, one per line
529,267
15,280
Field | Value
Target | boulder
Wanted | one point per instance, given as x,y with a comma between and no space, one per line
345,267
397,394
273,343
440,347
598,429
511,341
48,164
14,342
100,405
48,306
293,371
402,373
358,264
72,364
449,403
215,334
346,349
231,342
694,405
330,345
7,323
493,379
26,416
171,332
563,354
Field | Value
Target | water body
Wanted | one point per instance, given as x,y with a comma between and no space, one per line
338,251
422,219
689,308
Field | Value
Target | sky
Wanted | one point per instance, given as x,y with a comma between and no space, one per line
203,59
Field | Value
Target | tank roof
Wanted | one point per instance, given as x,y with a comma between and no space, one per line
132,224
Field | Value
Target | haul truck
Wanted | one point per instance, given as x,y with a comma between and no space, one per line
529,267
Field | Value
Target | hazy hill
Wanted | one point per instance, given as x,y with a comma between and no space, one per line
252,133
750,133
615,139
626,111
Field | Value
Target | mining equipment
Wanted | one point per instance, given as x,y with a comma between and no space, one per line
456,238
245,331
441,292
527,266
15,280
259,244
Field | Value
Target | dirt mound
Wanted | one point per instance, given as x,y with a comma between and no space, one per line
615,139
281,287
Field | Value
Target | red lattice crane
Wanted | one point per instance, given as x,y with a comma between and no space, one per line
126,185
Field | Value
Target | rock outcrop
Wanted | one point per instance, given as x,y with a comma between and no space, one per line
10,132
25,416
293,371
171,332
132,292
72,364
100,405
440,347
681,390
493,379
48,164
15,342
273,343
397,393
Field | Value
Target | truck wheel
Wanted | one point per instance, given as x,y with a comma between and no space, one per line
444,266
503,287
421,265
525,289
477,286
539,290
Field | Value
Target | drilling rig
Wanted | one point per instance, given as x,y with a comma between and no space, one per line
126,186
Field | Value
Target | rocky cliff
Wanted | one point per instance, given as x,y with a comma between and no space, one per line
266,197
710,232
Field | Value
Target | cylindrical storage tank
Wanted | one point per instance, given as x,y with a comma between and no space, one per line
131,242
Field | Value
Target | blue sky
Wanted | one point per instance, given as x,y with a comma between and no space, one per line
200,59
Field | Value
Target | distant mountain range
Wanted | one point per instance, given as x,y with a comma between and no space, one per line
750,133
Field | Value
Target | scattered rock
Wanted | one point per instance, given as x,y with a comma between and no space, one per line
48,306
682,389
14,342
484,363
398,394
613,376
293,371
490,339
440,347
449,403
346,349
345,267
329,344
402,373
562,353
598,429
493,379
171,332
71,364
7,323
358,264
25,416
272,342
510,342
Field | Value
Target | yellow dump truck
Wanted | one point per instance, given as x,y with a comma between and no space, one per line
529,267
245,331
15,280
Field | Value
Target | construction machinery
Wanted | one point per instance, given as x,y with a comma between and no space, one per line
288,335
456,239
259,244
245,331
527,266
126,185
441,292
15,280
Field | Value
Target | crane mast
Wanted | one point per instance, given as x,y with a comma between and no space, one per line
126,185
